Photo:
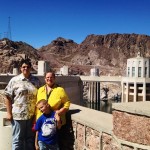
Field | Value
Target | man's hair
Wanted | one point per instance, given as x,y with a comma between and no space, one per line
25,61
44,101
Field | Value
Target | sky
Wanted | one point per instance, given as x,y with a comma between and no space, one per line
39,22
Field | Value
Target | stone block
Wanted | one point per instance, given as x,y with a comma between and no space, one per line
132,128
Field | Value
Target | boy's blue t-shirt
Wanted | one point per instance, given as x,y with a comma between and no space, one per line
46,127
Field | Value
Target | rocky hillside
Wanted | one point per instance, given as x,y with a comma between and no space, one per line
12,52
106,52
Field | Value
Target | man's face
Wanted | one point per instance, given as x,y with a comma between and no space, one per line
25,69
50,79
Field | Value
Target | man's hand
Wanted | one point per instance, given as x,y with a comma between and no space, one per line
9,116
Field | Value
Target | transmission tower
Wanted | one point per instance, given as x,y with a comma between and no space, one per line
5,35
9,29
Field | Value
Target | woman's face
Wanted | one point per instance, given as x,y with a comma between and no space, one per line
50,79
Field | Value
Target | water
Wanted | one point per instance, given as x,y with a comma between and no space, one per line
104,105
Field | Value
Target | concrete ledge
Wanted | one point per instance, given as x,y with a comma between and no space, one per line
97,120
5,131
140,108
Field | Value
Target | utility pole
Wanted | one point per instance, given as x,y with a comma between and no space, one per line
9,29
5,35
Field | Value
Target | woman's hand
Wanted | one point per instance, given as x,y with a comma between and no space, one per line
58,112
57,117
61,111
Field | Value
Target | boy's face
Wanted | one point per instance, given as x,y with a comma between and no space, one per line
44,108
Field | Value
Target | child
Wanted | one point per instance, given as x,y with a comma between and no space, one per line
46,127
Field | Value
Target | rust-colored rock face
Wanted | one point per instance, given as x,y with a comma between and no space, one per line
108,52
11,53
131,127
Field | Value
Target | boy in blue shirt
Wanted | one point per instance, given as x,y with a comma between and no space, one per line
46,127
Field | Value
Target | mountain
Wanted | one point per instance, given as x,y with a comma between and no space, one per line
108,52
11,53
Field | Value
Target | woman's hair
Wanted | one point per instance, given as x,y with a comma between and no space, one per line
52,72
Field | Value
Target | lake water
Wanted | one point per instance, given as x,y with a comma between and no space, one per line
104,106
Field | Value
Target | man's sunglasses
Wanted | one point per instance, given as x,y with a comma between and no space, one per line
25,67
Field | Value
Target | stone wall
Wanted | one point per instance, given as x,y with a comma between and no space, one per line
131,125
87,129
132,128
127,129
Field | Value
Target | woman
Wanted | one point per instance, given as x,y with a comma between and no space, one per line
55,95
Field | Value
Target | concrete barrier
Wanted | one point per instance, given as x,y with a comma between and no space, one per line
5,131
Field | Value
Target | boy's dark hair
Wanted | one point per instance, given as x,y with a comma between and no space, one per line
25,61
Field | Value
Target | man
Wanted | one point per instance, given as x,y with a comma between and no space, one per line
21,93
